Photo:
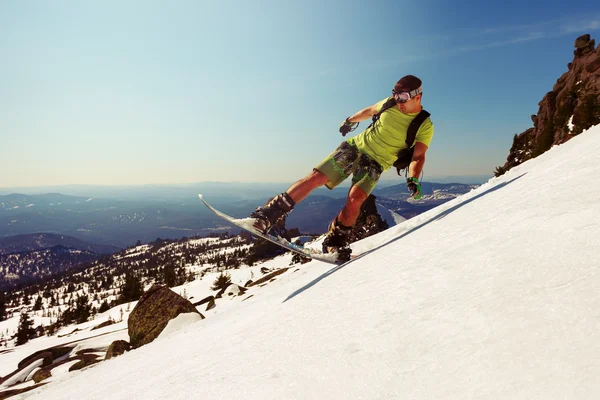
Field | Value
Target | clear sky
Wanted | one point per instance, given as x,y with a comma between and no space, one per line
139,92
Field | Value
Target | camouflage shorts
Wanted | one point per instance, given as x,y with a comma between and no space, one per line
346,160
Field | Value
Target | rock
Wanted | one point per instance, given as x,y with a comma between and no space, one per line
44,354
41,374
571,107
594,64
369,222
204,300
54,353
534,120
117,348
102,325
85,360
268,277
584,45
211,304
153,312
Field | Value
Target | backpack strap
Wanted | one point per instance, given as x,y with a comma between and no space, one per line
405,155
414,126
390,102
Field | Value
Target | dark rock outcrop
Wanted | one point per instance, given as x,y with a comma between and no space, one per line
117,348
268,277
570,108
205,300
211,304
41,374
49,356
153,312
102,325
85,360
369,221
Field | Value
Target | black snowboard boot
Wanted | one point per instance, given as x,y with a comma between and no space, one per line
275,209
337,240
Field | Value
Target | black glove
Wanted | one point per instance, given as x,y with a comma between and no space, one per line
347,126
414,187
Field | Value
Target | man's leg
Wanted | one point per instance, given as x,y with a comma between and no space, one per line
331,171
339,233
351,210
283,203
340,229
299,190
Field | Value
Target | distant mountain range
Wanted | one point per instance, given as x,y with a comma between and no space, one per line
118,222
39,241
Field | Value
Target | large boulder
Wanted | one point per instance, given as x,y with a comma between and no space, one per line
153,312
584,44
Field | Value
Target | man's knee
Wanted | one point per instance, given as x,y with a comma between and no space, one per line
357,197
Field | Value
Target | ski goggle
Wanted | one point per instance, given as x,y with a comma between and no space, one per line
403,97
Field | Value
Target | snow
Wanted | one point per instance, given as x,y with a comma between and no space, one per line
492,295
398,219
21,375
178,323
570,124
90,339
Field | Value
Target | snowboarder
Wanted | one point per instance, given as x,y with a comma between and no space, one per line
366,157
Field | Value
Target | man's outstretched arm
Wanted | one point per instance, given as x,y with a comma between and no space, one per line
363,114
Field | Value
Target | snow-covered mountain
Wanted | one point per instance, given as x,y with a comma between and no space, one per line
491,295
34,265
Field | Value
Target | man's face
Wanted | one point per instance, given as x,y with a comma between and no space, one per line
411,106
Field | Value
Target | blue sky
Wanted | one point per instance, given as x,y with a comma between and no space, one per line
142,92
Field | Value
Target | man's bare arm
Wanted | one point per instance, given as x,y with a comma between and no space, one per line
418,160
363,114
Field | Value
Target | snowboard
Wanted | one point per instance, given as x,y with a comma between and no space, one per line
246,224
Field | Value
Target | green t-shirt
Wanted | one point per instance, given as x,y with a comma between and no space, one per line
388,136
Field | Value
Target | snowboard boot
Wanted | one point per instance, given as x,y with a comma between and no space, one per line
337,240
275,209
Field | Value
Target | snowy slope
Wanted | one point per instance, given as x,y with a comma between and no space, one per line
491,295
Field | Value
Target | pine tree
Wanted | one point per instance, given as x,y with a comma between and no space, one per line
222,281
2,306
38,304
25,330
132,289
169,276
82,309
104,307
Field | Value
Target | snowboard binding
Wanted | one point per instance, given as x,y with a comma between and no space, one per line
274,210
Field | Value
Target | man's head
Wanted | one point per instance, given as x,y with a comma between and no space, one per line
407,93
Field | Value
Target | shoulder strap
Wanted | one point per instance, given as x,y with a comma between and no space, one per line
414,126
390,102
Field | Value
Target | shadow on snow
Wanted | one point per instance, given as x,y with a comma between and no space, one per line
416,228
